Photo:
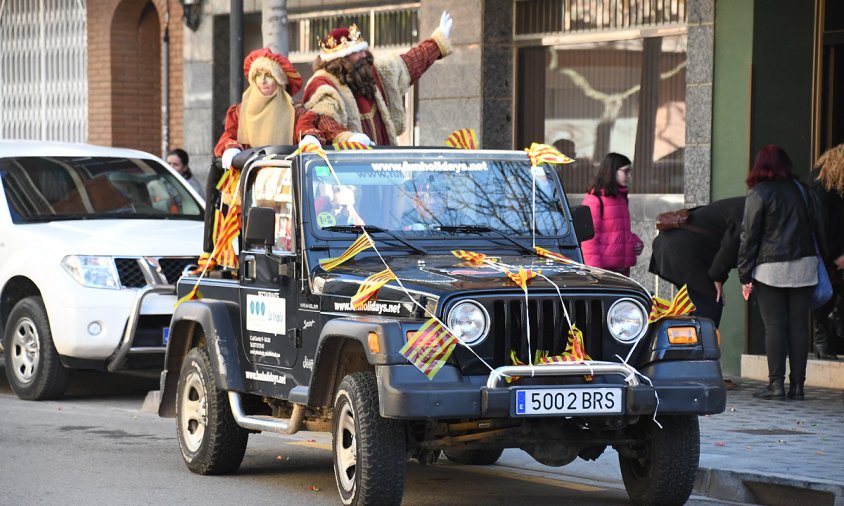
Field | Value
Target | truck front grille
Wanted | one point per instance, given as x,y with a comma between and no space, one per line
130,273
135,272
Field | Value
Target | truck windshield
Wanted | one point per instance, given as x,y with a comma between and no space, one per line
432,196
64,188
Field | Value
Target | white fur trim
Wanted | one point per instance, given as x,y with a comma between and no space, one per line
395,77
336,101
344,51
443,42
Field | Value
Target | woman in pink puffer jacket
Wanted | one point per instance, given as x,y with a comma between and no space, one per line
615,246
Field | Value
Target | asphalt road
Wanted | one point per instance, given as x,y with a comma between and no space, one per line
96,446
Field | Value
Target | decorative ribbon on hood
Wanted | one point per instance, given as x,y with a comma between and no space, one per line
362,243
681,305
472,257
370,286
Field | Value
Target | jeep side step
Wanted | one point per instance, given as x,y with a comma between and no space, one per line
266,423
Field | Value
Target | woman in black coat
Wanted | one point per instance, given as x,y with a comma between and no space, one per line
777,261
701,253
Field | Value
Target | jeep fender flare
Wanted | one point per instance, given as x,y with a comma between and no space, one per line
343,348
214,324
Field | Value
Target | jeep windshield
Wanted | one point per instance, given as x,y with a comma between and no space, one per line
434,195
42,189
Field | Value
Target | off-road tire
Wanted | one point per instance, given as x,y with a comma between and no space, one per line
369,451
474,457
665,472
210,440
33,366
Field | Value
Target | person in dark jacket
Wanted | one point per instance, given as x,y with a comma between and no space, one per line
777,262
701,253
829,183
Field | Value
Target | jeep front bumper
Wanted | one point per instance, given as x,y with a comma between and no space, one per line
406,393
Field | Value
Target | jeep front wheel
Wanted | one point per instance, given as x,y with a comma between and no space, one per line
665,464
369,451
33,367
210,440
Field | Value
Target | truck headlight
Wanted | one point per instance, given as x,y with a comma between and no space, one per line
92,271
627,320
469,321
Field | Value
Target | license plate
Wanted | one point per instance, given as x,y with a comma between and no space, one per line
568,401
165,335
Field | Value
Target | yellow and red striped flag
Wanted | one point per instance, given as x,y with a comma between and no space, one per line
228,182
543,153
362,243
575,352
192,295
550,254
309,148
205,263
370,286
472,257
229,230
350,146
522,277
464,138
681,305
430,347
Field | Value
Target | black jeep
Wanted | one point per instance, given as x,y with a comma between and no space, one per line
287,343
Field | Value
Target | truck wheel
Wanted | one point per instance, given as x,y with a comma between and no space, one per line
33,367
665,469
369,451
210,440
474,457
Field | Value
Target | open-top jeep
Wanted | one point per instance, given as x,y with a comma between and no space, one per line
472,346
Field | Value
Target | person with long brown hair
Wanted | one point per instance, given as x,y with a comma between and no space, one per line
777,262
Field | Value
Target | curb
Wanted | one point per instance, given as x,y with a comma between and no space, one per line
774,490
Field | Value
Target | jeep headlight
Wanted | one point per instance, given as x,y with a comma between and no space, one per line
92,271
469,321
627,320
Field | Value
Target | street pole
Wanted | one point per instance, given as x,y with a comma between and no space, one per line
236,51
274,26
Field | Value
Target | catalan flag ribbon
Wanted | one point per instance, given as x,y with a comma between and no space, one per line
193,294
464,138
681,305
309,148
228,182
370,286
229,230
205,263
350,146
543,153
555,256
430,347
361,244
522,277
472,257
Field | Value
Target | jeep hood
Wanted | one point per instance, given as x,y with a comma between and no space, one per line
116,237
440,274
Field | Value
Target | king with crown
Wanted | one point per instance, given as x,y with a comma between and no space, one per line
355,97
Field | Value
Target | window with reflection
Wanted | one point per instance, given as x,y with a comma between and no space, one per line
273,188
589,99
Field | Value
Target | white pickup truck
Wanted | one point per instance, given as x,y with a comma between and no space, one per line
92,240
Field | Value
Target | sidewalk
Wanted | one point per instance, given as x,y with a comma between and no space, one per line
762,452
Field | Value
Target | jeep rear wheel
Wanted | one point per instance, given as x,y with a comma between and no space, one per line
369,451
474,457
210,440
664,470
33,367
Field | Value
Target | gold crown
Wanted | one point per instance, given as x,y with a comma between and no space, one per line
330,44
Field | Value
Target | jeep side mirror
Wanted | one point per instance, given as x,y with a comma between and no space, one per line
581,217
260,226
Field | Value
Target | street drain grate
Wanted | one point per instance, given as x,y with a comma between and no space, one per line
771,432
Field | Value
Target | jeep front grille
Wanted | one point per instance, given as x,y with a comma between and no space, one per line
548,327
139,272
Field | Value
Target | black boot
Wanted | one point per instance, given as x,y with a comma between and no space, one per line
774,390
822,351
795,390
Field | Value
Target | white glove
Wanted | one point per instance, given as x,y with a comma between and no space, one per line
228,155
309,139
361,138
445,24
